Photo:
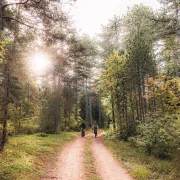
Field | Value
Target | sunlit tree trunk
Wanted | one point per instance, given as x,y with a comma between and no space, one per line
57,105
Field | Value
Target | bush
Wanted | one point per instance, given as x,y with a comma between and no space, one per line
141,173
159,137
43,135
11,129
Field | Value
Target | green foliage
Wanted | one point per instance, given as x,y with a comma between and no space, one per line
75,125
141,173
30,126
110,37
141,166
140,93
25,105
160,136
19,122
2,51
48,113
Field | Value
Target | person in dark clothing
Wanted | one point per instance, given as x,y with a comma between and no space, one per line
83,128
95,127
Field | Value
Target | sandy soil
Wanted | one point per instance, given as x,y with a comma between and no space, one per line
107,167
69,164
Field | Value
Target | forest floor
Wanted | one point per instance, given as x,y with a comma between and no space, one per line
25,157
140,165
86,159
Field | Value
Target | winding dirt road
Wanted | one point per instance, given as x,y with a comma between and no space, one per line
70,162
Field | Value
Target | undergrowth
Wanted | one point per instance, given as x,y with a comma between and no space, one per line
26,156
140,165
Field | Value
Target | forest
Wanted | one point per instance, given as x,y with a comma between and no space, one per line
126,78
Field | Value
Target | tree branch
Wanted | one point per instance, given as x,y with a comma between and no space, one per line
162,20
27,25
10,4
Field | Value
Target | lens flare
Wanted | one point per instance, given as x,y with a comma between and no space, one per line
40,63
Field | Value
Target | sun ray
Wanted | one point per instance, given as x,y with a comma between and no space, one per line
40,63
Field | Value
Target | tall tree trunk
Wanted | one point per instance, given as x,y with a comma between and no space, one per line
87,105
119,115
133,123
126,116
175,63
154,100
113,112
57,105
76,113
19,119
144,102
137,107
69,107
99,118
6,102
140,103
1,16
118,108
113,109
90,109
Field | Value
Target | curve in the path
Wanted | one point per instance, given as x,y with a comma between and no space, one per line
69,163
107,167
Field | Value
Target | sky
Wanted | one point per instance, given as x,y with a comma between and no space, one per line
89,15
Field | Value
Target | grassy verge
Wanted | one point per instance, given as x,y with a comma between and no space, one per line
90,169
141,166
27,156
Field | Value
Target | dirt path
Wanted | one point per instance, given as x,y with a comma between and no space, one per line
69,163
107,167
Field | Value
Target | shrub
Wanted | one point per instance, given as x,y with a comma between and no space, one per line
159,137
43,135
141,173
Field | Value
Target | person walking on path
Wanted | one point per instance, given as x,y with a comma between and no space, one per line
95,128
83,128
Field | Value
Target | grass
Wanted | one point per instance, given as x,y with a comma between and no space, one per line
26,157
141,166
90,169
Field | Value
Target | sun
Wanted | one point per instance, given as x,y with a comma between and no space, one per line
40,63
